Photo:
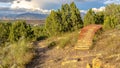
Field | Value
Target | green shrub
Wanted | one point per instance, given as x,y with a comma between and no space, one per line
111,16
64,42
39,32
12,32
52,44
20,29
5,31
68,39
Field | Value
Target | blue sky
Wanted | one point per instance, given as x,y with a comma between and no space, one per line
45,5
89,4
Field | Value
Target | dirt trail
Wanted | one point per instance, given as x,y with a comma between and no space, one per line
39,58
60,58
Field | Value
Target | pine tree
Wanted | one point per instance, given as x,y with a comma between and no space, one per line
65,15
5,31
64,20
89,18
53,23
112,12
75,17
99,17
20,29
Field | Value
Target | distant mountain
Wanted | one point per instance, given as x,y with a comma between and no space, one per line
25,16
31,16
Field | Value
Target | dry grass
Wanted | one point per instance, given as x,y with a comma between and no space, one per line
108,45
16,55
61,41
67,40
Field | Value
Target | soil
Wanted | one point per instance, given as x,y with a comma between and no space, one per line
61,58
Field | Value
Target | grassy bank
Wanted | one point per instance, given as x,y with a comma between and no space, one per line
16,55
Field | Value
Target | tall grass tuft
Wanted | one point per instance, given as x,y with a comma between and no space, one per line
16,55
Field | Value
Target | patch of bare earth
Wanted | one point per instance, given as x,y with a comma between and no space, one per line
61,58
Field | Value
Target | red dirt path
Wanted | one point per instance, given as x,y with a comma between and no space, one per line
86,36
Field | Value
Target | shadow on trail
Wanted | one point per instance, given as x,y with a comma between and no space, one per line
40,57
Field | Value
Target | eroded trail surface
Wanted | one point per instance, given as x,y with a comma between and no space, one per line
60,58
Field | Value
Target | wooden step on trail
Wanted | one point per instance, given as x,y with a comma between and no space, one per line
85,39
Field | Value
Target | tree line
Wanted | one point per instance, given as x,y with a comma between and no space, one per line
109,18
68,18
12,32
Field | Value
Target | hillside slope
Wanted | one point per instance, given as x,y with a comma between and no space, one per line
106,47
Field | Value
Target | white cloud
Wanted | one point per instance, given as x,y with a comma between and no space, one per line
33,5
38,5
94,9
43,11
112,1
24,4
99,9
83,11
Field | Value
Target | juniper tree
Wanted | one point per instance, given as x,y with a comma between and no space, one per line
63,20
89,18
75,17
112,13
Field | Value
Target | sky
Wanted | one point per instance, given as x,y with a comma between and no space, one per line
45,6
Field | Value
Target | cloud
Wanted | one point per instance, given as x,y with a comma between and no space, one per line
35,4
84,0
39,5
83,11
112,1
94,9
43,6
99,9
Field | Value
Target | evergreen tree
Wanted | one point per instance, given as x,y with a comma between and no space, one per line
99,17
65,16
112,13
39,32
5,31
20,29
75,17
63,20
53,23
89,18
